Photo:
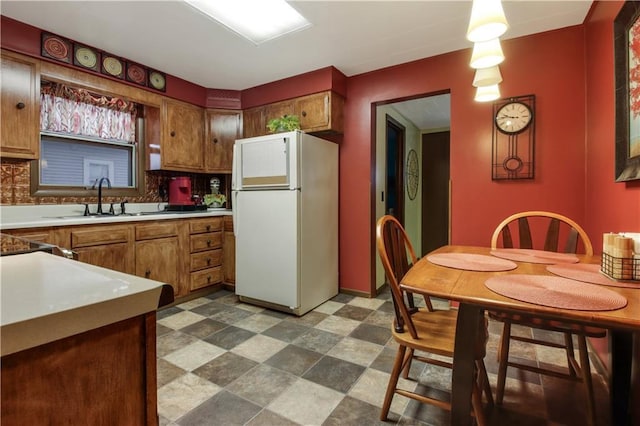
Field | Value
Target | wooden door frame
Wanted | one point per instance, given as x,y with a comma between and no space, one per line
391,122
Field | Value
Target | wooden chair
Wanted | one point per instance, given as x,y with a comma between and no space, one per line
423,329
558,228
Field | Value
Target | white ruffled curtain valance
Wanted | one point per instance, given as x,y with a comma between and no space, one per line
78,112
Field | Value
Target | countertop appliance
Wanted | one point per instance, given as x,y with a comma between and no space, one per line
285,212
180,191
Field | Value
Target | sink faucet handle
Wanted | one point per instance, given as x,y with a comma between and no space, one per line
122,206
86,209
111,210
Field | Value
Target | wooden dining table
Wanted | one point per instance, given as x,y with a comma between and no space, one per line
468,288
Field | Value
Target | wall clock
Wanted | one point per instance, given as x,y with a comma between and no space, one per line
513,138
513,117
413,174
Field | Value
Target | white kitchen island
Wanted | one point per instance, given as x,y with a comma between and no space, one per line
78,343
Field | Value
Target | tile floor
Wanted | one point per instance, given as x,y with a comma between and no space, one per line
223,362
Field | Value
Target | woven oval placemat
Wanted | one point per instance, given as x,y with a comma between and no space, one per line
589,273
556,292
535,256
471,262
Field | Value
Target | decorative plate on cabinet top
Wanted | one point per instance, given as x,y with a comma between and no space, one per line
112,66
157,80
85,57
136,74
55,47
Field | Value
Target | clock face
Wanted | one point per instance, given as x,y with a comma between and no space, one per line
412,174
513,117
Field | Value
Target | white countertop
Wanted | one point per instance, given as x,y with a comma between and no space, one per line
14,217
45,298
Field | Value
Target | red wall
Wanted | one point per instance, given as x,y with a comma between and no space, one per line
549,65
611,206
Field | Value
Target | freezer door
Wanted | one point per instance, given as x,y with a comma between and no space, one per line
267,162
267,254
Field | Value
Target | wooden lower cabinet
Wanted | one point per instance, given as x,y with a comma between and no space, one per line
189,254
112,256
157,259
157,251
229,253
106,246
105,376
205,247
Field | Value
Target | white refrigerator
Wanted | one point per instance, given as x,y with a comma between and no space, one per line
285,213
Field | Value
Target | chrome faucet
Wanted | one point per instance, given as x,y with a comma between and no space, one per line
99,184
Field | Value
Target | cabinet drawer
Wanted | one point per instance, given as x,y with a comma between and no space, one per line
99,236
206,259
156,230
206,277
202,242
210,224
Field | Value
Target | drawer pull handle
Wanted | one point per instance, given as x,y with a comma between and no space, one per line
208,261
147,273
173,133
208,278
20,105
304,113
208,243
215,140
208,228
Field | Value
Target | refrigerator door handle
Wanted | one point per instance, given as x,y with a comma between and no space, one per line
234,212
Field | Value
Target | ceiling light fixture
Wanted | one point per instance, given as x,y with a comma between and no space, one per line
487,93
256,20
486,54
487,76
487,21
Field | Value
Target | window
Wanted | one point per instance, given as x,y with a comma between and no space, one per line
83,137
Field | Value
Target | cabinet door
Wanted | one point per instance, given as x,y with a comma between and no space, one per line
253,123
158,260
277,110
223,128
20,107
183,137
110,256
313,111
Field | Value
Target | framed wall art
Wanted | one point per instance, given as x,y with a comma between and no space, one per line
626,29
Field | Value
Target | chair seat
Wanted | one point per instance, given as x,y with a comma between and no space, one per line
440,327
551,325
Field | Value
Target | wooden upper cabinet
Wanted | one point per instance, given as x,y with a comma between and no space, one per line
182,136
253,123
20,107
223,128
277,110
319,112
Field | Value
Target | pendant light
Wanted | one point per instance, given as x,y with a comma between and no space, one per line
487,21
487,76
487,93
486,54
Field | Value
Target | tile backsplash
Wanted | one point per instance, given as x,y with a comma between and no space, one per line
16,176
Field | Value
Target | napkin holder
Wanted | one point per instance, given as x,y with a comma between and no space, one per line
621,257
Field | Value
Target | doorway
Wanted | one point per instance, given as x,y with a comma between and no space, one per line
408,119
